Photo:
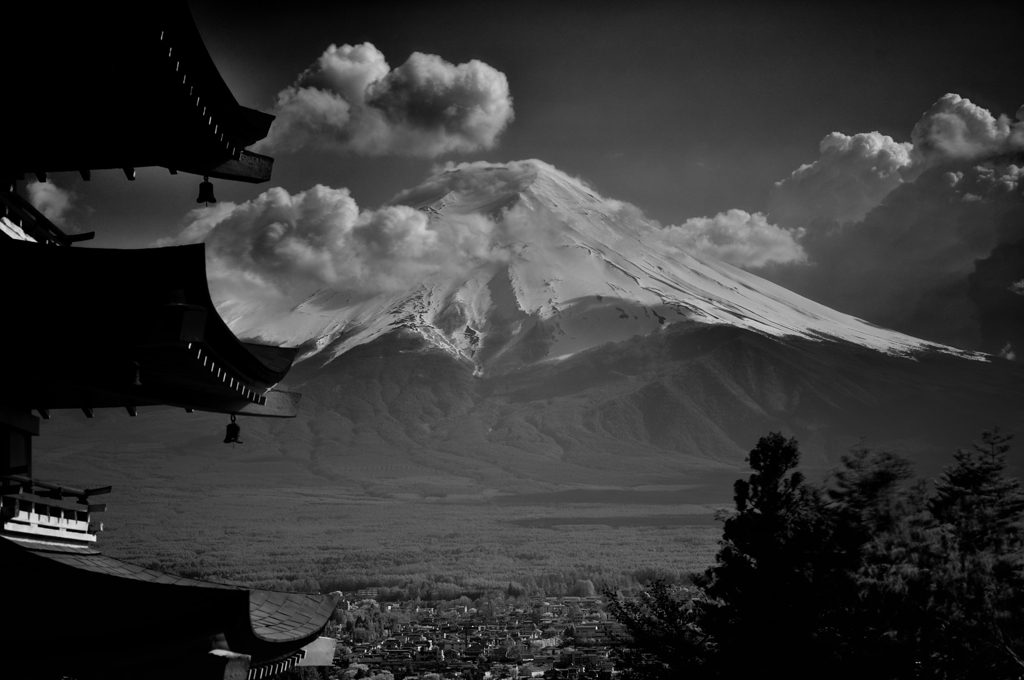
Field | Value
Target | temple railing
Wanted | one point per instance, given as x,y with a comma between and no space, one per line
40,511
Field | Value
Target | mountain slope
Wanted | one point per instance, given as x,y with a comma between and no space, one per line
565,270
578,372
688,399
581,344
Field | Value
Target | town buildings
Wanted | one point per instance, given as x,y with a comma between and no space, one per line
565,637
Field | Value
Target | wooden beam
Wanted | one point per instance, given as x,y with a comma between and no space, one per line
84,236
58,491
279,404
250,167
247,167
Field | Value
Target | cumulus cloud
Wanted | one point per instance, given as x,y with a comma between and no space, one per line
854,173
287,244
907,264
351,100
740,238
48,198
892,230
956,129
267,255
850,177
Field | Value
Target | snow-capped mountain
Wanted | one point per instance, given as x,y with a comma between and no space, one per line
573,348
565,270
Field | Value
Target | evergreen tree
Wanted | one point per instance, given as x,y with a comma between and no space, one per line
982,506
881,531
770,589
978,586
664,639
866,494
873,577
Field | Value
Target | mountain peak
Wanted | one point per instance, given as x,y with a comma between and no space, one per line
489,188
561,270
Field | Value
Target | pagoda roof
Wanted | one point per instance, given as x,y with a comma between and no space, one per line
102,85
112,601
92,328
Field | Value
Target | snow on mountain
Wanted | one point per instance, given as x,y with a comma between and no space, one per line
568,270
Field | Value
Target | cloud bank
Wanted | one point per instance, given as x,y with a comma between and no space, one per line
854,173
740,238
906,264
280,247
351,100
955,129
893,232
902,234
850,177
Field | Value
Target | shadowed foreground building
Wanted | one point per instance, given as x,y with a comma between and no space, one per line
146,333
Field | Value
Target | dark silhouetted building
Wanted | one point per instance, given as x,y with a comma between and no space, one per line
122,87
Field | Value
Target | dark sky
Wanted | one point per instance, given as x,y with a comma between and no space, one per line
684,109
693,112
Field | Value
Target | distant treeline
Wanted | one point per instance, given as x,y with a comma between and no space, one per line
446,587
533,560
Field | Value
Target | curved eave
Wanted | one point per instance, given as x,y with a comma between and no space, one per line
93,327
113,597
147,94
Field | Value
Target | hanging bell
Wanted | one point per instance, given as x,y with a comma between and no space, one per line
233,431
206,192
